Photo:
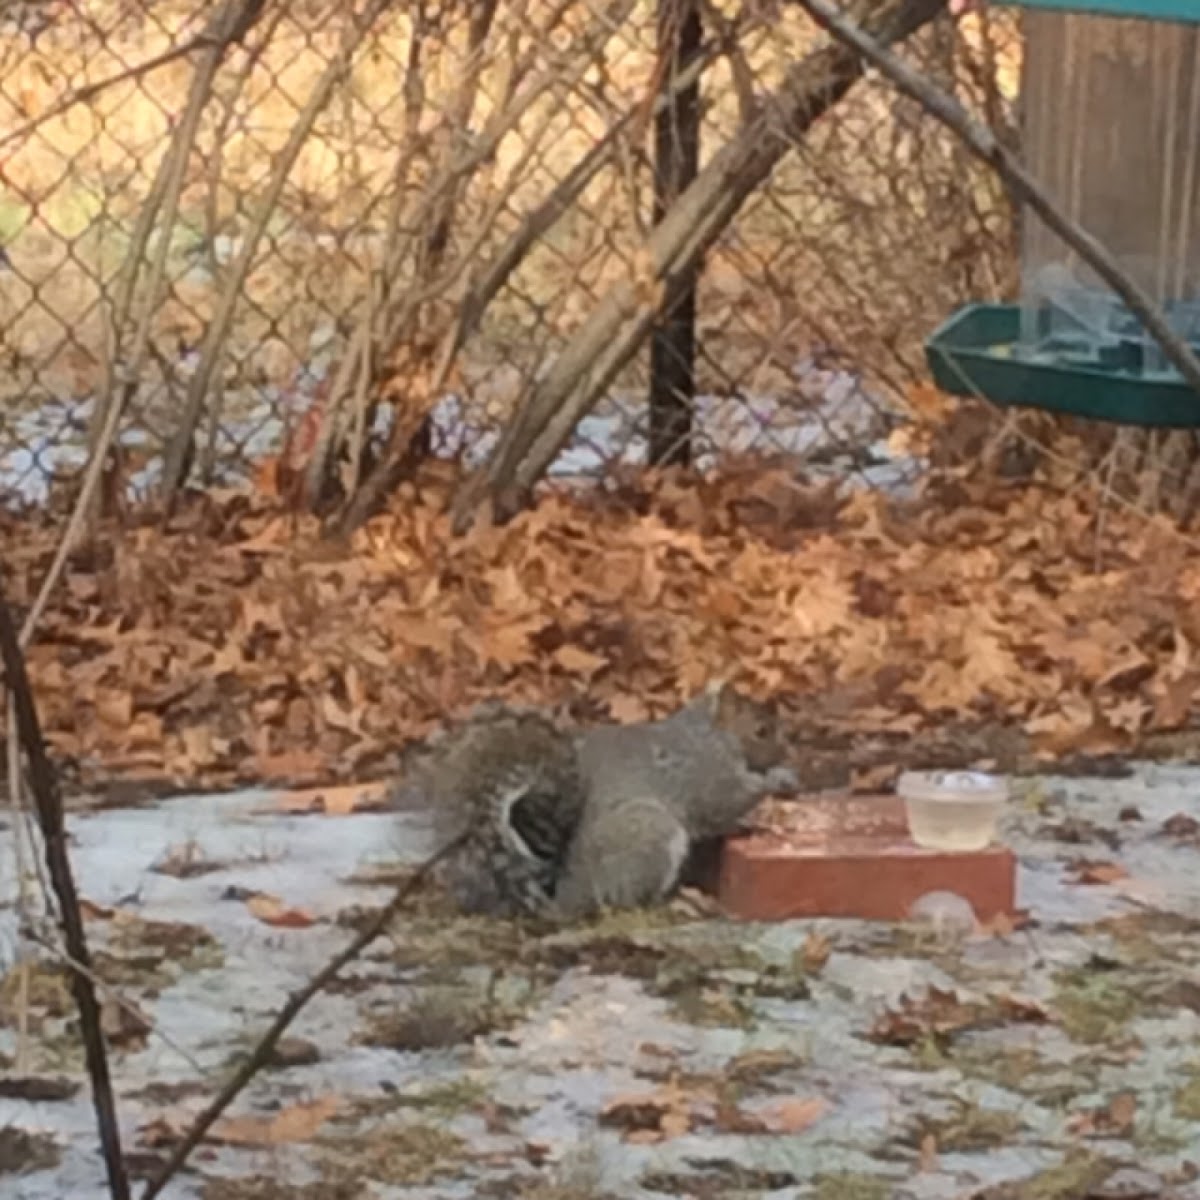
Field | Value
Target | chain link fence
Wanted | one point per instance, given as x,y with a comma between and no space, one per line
218,222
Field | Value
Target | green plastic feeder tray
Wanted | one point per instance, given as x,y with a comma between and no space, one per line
975,353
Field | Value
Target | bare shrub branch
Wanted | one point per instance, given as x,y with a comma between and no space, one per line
178,451
43,785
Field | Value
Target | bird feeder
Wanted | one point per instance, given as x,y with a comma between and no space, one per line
1110,96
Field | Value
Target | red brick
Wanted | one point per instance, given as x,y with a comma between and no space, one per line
844,856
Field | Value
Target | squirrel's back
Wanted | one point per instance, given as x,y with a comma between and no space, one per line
710,762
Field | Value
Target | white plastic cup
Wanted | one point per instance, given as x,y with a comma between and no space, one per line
952,810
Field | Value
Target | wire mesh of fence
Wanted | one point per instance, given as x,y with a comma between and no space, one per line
296,233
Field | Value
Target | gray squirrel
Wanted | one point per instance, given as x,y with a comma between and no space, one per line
563,823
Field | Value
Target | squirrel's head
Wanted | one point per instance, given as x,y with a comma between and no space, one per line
755,725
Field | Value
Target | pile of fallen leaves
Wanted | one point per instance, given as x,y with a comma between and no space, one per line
234,645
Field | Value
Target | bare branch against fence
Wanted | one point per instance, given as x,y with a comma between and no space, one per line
43,786
623,319
212,38
427,246
538,222
177,456
677,131
407,351
983,143
212,212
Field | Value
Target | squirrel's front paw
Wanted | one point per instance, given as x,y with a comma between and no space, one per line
782,779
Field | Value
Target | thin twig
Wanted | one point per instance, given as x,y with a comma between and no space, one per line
407,226
111,993
24,906
43,786
538,222
88,93
320,459
212,202
234,17
258,1057
391,322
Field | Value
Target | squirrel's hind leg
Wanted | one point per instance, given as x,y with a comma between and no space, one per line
627,856
485,879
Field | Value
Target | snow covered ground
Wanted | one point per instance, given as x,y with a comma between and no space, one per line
463,1058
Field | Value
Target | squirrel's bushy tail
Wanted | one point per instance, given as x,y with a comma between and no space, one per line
509,780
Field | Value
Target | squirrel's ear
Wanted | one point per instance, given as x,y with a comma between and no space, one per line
720,696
